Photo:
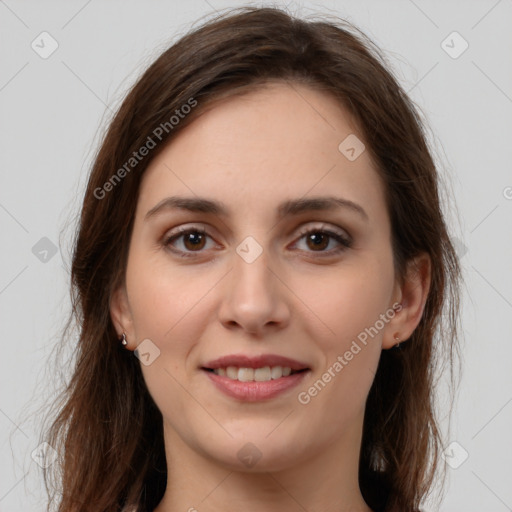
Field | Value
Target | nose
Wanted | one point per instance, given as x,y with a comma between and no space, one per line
254,297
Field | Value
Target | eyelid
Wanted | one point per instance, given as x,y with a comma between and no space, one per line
340,235
177,233
344,240
326,228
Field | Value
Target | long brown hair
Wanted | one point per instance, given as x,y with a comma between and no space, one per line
108,430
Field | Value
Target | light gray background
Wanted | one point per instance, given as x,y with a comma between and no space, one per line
51,114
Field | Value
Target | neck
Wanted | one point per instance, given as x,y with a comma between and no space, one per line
326,481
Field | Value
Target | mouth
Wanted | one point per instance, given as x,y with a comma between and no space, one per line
255,384
255,378
262,374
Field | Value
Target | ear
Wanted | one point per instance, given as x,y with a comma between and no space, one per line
121,316
412,295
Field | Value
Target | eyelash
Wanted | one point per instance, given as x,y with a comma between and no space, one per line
346,242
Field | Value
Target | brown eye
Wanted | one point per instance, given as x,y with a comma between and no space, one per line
192,240
317,240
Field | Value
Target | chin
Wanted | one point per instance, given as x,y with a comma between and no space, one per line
255,454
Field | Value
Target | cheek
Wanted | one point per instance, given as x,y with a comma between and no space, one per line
164,297
347,327
168,305
347,301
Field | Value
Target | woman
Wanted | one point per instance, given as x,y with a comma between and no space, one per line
259,274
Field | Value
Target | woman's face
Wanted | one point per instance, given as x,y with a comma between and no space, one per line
247,280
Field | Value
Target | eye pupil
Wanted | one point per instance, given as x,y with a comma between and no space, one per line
318,240
196,238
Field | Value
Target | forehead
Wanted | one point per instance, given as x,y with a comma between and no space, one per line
254,150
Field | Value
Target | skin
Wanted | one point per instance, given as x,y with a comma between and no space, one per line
294,300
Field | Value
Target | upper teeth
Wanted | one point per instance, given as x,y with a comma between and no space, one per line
254,374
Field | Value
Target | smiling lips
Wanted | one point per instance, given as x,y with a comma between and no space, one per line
255,378
263,374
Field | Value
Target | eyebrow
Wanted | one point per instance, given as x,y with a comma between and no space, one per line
290,207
